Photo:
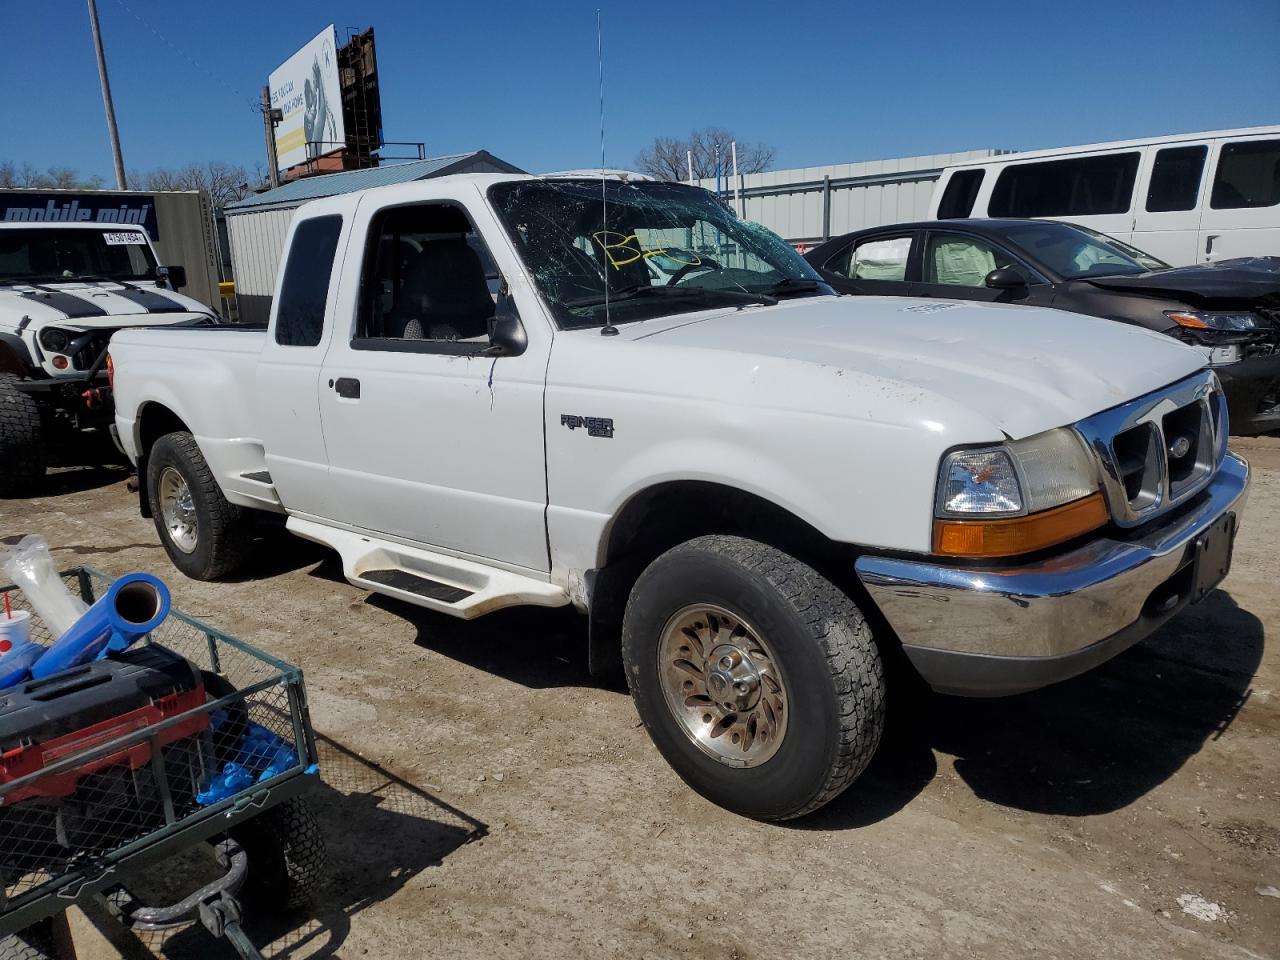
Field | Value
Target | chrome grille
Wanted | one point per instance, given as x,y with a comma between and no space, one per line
1160,449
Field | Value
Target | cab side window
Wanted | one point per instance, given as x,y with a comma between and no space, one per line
961,261
305,286
428,280
874,258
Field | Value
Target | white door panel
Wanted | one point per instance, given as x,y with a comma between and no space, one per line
438,448
1171,234
442,450
1230,231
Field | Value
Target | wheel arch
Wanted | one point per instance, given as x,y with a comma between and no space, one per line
15,358
154,421
659,517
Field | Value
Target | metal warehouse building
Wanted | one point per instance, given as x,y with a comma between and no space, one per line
256,226
807,205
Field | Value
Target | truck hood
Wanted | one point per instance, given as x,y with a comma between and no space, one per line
84,305
1025,369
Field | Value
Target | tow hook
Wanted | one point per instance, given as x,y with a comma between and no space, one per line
93,398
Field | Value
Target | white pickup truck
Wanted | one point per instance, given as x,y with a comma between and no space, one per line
478,393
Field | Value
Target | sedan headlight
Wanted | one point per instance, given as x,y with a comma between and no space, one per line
1017,497
51,338
1229,321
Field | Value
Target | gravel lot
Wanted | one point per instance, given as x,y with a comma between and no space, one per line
484,797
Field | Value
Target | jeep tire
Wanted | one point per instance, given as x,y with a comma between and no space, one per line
22,453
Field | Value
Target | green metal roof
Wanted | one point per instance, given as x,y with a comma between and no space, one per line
331,184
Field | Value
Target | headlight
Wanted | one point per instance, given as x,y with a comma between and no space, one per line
51,338
1232,321
1017,497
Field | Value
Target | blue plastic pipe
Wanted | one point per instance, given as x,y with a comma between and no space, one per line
131,608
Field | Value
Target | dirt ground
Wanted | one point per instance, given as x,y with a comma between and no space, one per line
484,797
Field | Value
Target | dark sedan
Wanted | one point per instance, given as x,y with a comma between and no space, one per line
1229,309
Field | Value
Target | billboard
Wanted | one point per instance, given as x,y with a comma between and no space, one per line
306,90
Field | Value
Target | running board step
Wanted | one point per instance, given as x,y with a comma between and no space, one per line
437,581
422,586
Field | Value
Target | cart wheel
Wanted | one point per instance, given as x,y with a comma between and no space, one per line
34,943
287,856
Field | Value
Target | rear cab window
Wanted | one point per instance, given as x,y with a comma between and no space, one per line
1072,187
1248,175
959,194
304,290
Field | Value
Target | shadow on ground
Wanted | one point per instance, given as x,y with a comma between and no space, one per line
536,647
381,831
1088,746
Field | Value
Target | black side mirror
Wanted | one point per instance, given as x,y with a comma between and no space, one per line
175,278
506,331
1005,279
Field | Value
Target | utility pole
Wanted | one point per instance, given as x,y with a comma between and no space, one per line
269,120
106,98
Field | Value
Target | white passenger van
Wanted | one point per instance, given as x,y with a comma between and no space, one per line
1187,199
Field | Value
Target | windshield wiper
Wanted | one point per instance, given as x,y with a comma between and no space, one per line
684,293
789,285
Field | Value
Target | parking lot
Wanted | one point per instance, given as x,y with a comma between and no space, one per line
483,796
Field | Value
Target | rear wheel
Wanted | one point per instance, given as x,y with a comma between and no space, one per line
756,677
36,942
287,855
206,536
22,454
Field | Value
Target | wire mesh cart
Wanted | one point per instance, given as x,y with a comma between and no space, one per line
191,738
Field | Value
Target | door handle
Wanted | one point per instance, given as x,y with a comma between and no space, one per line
1208,243
348,387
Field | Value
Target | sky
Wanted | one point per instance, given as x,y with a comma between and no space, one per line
822,83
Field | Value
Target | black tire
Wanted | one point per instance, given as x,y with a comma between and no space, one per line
36,942
287,856
832,667
22,452
223,530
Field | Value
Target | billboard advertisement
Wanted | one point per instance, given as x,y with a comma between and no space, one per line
305,89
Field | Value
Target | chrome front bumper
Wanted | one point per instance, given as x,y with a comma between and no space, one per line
993,631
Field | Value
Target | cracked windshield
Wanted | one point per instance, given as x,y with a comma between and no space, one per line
642,249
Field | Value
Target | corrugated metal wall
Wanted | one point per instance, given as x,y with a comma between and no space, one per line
257,240
187,239
792,203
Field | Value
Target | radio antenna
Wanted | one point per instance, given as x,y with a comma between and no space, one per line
608,330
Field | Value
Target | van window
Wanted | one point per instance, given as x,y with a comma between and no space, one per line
961,191
1248,175
1175,179
305,287
1075,187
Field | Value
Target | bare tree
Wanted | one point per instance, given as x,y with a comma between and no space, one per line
667,158
223,182
55,178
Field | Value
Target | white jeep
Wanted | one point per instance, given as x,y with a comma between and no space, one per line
756,490
64,289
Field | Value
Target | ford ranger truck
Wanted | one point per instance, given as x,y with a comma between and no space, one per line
476,391
64,289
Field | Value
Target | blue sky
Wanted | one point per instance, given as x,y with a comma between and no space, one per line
822,82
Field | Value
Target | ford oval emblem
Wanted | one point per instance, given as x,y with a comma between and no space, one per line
1179,447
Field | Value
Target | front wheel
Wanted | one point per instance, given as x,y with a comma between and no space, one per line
205,536
22,456
756,677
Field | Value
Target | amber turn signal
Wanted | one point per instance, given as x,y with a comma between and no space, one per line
1011,536
1187,320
